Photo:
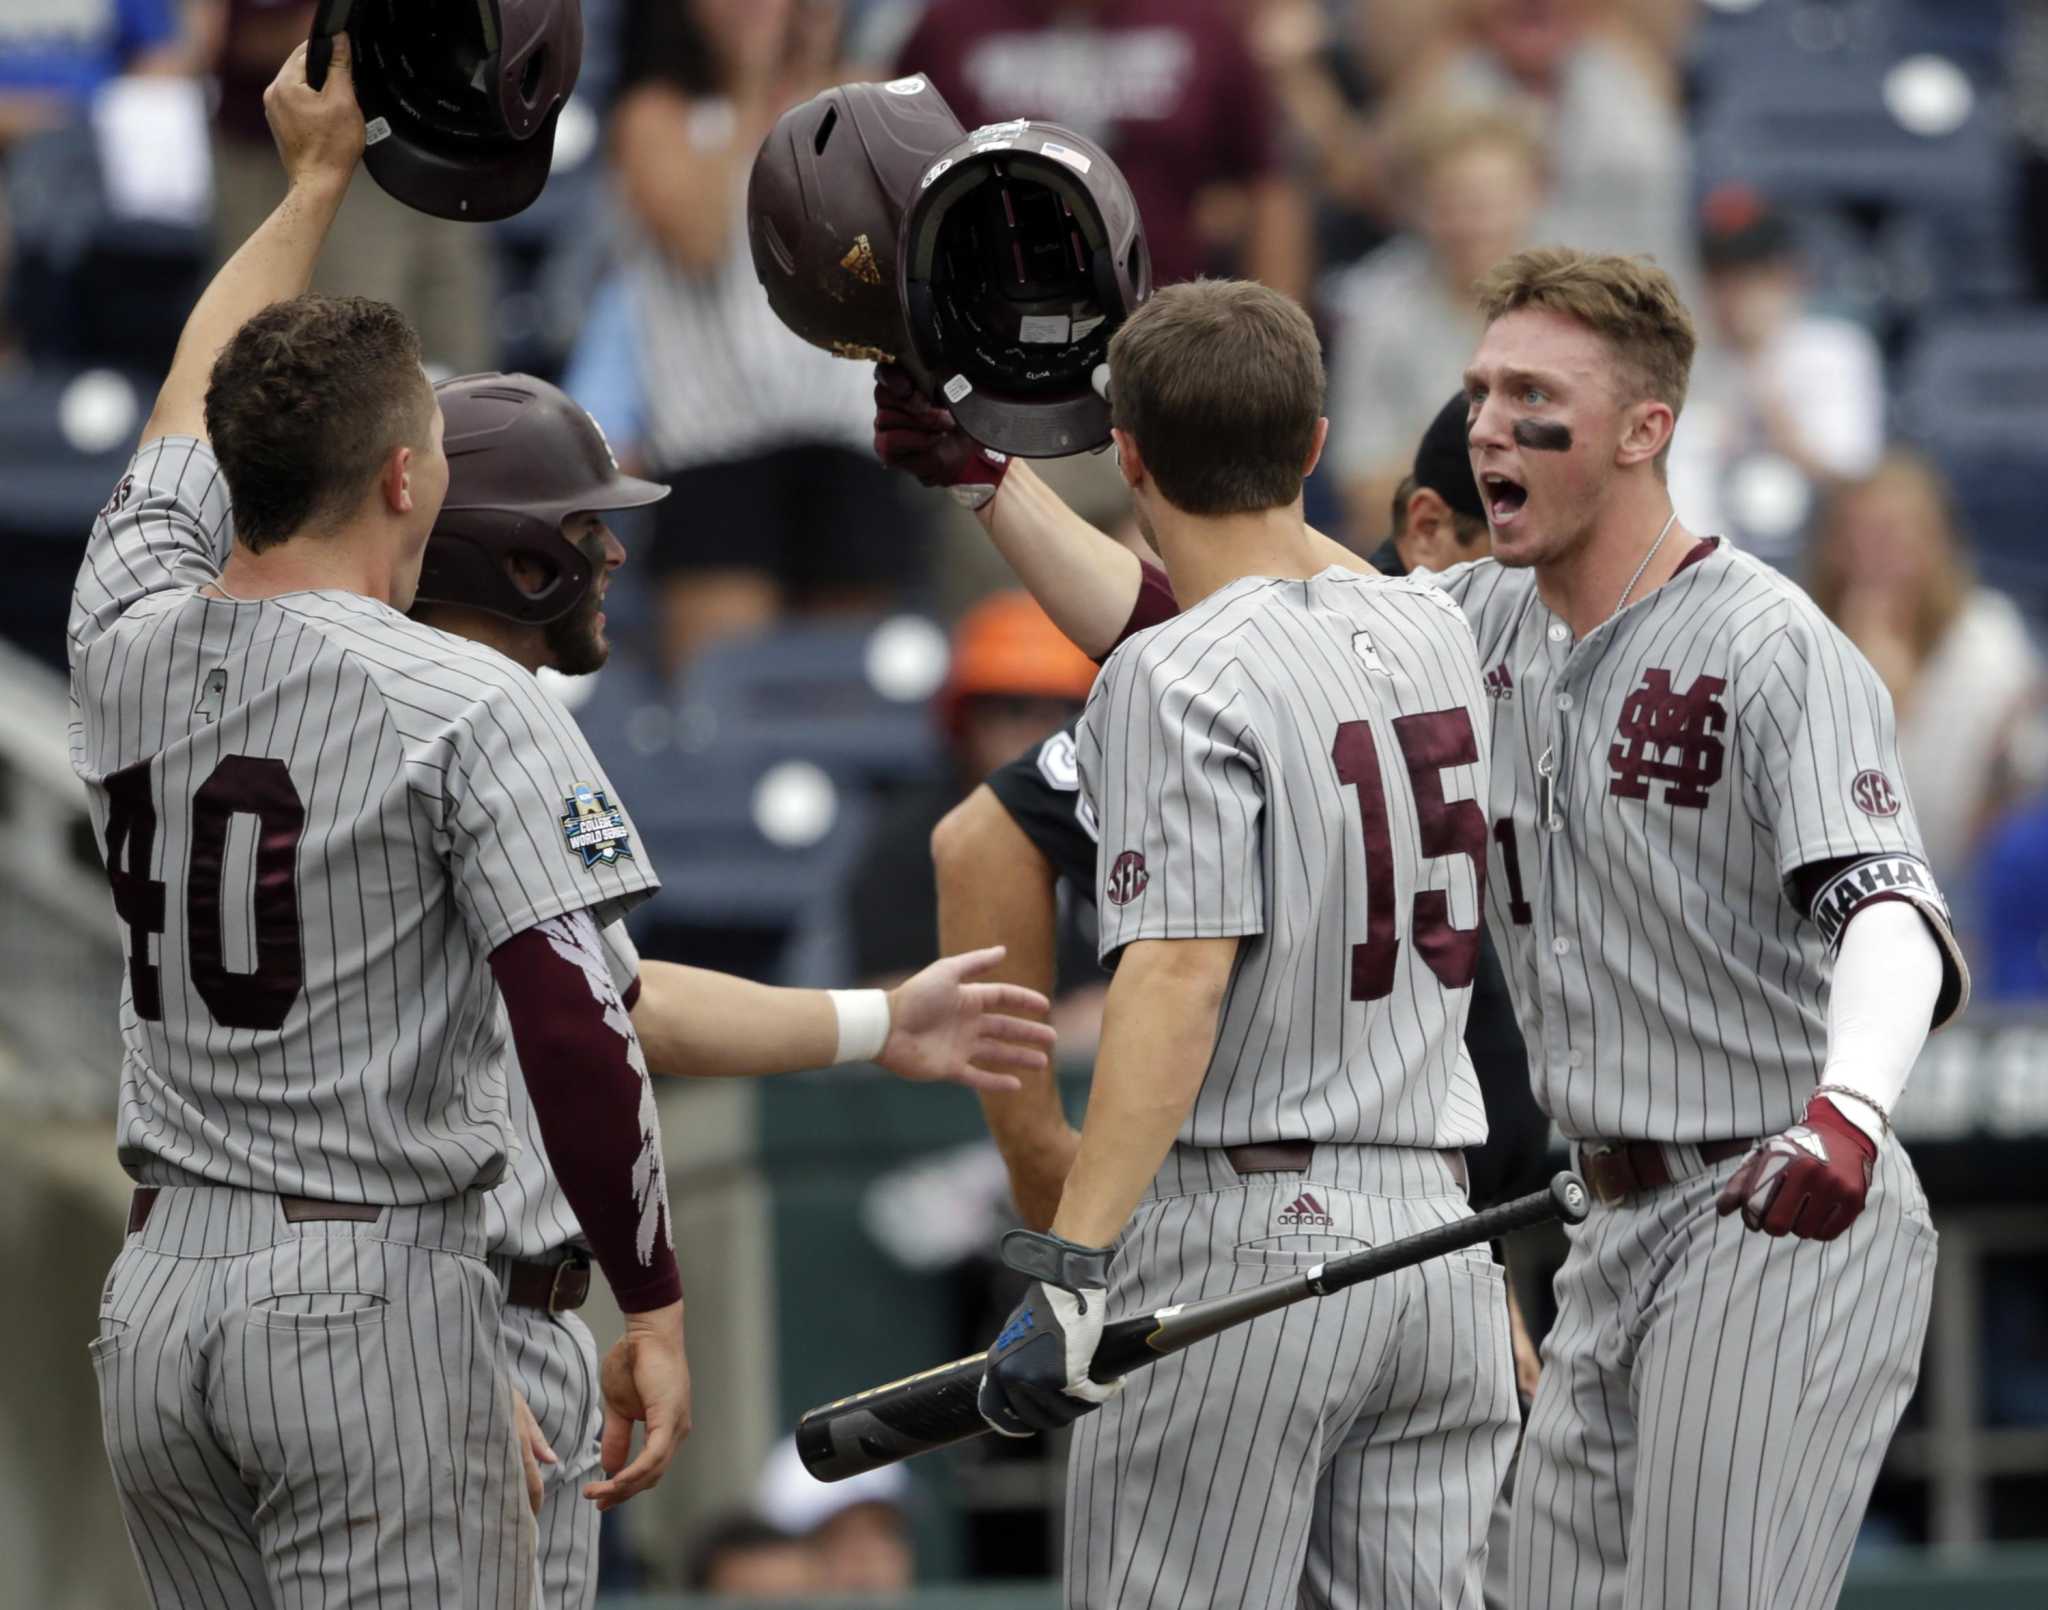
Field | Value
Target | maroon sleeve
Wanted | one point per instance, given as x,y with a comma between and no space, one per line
1155,603
591,1101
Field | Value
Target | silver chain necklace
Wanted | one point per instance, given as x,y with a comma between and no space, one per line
1645,565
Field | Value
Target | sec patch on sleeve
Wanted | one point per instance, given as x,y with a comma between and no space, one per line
1127,878
594,827
1873,794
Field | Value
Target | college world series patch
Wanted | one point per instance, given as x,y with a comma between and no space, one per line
594,827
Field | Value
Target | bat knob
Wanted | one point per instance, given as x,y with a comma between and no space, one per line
1573,1200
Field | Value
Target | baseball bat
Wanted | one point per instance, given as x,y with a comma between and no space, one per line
936,1407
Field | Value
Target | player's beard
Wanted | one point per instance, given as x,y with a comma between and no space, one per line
575,642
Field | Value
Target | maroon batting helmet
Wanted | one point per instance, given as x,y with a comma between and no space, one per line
825,201
522,458
461,99
1021,256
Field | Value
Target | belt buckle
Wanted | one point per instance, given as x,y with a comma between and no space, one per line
1607,1188
570,1265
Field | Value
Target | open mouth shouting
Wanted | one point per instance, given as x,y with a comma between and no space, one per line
1505,497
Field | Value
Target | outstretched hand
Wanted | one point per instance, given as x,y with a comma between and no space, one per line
944,1028
319,132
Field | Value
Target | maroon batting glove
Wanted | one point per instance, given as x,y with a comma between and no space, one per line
1810,1181
914,435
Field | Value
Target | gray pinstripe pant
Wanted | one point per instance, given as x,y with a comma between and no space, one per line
552,1359
1340,1453
314,1413
1715,1402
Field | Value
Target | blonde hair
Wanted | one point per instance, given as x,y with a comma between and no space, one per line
1428,137
1947,586
1628,301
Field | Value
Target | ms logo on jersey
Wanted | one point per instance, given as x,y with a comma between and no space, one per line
1127,878
1670,737
594,827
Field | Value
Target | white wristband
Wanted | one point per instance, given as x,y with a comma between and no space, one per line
863,1023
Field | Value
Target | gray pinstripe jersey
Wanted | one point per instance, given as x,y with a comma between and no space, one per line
528,1214
1297,762
320,818
1706,743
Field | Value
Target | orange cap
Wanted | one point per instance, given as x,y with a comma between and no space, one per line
1007,646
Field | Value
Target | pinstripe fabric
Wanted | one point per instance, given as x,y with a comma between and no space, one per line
1715,1403
553,1361
311,1414
1339,1453
552,1358
1667,987
432,776
1206,750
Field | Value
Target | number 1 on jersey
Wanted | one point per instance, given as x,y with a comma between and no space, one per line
1429,745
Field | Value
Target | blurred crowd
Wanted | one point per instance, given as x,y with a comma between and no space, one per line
815,662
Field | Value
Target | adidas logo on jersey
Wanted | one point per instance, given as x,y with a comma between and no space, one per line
1500,682
1304,1212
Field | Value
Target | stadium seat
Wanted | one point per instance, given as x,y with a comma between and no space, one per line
1974,395
58,467
1815,129
816,692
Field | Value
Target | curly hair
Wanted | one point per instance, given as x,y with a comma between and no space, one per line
304,405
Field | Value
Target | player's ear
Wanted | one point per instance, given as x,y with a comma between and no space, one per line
1127,459
1646,428
395,483
1428,541
1315,449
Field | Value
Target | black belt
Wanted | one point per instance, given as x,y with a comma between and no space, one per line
1296,1156
297,1209
553,1288
1615,1170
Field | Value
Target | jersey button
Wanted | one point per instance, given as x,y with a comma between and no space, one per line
1559,631
1576,1059
1564,701
1560,946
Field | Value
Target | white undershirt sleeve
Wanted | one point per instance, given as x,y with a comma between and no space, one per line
1888,972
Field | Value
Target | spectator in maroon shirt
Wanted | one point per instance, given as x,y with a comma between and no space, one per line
1169,87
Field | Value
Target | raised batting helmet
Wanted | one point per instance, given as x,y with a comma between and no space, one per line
522,458
460,98
1020,257
824,204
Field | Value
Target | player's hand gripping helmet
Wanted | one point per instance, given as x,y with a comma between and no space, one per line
460,96
825,202
1018,260
522,458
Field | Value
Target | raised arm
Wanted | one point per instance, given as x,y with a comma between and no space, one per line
1094,588
319,137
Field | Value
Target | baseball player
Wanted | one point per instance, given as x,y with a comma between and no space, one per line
336,839
1725,948
1286,780
520,560
1001,853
